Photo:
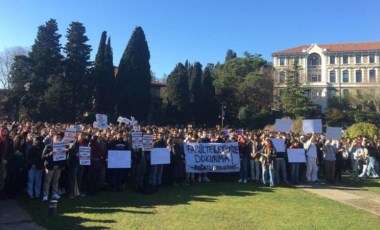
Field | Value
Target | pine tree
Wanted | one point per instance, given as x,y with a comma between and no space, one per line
196,94
77,64
178,95
133,81
46,64
293,101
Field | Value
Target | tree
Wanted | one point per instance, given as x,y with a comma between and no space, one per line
210,108
104,77
294,102
19,83
178,95
196,93
7,57
239,82
77,63
230,55
133,80
46,64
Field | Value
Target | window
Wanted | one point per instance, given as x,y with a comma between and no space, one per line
282,77
345,76
358,76
345,59
332,76
282,60
372,75
314,60
345,92
332,59
332,92
358,58
371,58
314,77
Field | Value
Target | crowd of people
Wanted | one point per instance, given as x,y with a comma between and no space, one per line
27,164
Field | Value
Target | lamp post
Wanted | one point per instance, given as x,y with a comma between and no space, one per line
223,114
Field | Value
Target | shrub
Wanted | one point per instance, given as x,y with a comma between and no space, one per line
361,129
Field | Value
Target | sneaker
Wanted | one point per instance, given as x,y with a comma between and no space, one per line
45,199
244,181
240,180
56,197
206,179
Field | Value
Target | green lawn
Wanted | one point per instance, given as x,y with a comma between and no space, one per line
214,205
371,184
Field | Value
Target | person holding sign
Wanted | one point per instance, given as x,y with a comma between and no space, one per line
268,158
52,170
155,174
311,160
329,151
295,166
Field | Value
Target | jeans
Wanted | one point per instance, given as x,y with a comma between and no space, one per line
311,169
371,170
268,170
295,172
255,170
155,175
243,168
34,182
50,175
281,165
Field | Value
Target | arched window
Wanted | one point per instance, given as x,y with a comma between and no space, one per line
314,60
332,76
346,77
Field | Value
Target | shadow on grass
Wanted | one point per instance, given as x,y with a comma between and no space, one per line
74,213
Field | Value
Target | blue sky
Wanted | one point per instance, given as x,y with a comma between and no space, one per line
198,30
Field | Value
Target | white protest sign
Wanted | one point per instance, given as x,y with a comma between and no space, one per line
123,120
159,156
147,142
84,155
312,126
133,122
70,135
137,141
119,159
101,121
283,125
279,144
59,151
296,155
334,133
78,128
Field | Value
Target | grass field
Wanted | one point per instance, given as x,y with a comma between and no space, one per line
214,205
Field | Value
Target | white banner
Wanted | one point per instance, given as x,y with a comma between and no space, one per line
312,126
159,156
101,121
59,151
279,144
70,135
119,159
137,140
147,142
334,133
84,155
296,155
283,125
212,157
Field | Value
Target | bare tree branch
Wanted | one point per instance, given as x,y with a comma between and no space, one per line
6,61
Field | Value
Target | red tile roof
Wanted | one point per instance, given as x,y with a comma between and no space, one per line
341,47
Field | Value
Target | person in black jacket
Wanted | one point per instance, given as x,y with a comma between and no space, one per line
35,166
6,150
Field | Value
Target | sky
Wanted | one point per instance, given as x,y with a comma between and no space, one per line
197,30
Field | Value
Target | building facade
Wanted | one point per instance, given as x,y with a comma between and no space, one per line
330,69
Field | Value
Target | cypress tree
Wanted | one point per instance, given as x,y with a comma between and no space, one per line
133,81
98,75
210,109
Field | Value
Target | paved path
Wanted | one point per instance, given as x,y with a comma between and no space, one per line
13,217
356,197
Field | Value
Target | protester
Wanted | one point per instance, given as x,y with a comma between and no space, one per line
35,166
268,160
